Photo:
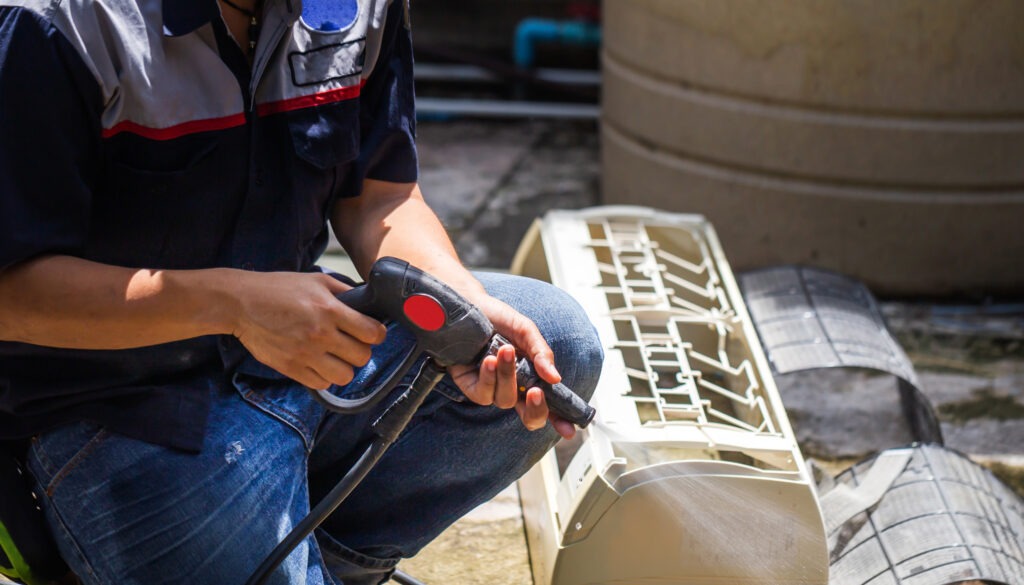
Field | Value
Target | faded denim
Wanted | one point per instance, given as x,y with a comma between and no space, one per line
128,512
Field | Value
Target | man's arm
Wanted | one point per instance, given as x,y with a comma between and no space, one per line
392,219
61,301
291,322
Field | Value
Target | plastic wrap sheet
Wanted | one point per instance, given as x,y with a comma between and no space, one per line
941,519
809,318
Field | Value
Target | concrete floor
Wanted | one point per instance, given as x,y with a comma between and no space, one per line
489,180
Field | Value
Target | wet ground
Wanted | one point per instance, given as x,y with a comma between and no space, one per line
489,180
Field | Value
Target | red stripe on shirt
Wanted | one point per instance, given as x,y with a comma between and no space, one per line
178,130
309,101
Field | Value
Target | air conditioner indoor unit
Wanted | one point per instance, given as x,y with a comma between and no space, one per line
692,474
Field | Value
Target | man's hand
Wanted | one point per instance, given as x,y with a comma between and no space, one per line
295,324
494,381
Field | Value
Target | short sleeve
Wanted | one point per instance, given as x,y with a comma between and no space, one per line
388,105
49,139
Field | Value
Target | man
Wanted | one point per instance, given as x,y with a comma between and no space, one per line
166,175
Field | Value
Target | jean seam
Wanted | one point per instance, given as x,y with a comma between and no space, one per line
75,460
68,538
284,414
271,409
450,390
54,482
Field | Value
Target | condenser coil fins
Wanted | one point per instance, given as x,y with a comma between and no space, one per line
923,516
692,474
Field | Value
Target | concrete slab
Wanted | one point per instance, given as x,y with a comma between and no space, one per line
488,181
463,162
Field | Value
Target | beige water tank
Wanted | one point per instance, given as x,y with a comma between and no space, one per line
882,139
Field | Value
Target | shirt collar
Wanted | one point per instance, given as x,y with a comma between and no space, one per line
182,17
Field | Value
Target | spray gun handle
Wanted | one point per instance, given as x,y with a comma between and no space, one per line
447,327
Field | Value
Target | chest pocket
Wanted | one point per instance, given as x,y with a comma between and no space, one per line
328,135
326,65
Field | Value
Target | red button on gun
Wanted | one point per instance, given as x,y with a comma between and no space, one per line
424,311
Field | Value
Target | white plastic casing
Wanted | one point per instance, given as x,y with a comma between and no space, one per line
692,474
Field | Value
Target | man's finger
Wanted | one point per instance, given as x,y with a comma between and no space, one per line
310,379
335,285
506,390
477,384
483,390
526,336
334,370
352,322
544,365
563,427
346,348
533,410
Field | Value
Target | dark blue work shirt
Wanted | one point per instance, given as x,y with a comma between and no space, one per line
142,138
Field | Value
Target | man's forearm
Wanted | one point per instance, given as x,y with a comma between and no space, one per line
61,301
391,219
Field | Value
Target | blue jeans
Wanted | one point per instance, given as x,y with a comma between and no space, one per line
124,511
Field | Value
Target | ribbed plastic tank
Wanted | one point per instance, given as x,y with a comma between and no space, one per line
883,140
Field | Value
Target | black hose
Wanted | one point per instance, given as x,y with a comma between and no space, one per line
387,427
405,579
320,513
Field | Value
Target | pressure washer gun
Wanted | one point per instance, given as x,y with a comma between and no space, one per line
449,330
447,327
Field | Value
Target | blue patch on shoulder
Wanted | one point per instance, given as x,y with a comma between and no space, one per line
329,15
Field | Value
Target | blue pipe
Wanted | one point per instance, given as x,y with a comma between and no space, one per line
530,31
